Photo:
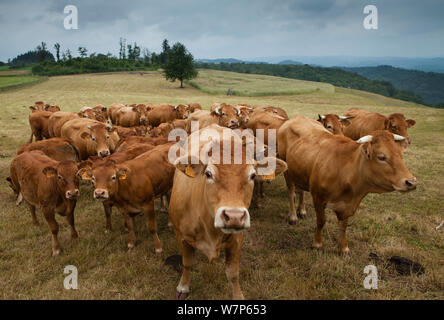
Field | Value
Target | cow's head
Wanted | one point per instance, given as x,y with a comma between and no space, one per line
141,111
334,123
227,115
67,176
228,188
181,111
98,139
383,165
244,115
397,124
51,108
87,113
105,177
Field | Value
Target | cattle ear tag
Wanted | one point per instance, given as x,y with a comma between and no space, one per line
189,171
85,176
269,176
122,176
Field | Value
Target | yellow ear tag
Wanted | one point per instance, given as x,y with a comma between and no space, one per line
189,171
269,177
122,177
85,176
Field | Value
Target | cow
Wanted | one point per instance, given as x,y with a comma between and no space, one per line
364,122
222,114
48,184
90,137
38,106
165,113
163,129
244,114
132,186
132,116
125,132
334,123
339,172
101,112
38,121
275,110
193,106
130,140
58,119
59,149
209,206
265,121
112,111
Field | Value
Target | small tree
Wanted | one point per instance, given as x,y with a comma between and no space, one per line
180,64
83,52
41,51
57,48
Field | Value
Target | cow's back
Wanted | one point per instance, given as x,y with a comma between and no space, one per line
363,123
59,149
57,120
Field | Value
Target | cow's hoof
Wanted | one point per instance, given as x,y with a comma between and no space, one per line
302,215
293,222
55,253
159,251
181,295
317,246
346,253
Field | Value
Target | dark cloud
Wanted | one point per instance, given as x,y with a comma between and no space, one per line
231,28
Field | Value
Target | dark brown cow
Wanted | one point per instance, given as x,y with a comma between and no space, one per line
338,171
166,113
132,187
59,149
364,122
334,123
209,208
53,186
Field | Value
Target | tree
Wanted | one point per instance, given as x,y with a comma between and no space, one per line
165,52
57,48
180,64
83,52
41,51
122,51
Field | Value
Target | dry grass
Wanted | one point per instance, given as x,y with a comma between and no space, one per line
276,260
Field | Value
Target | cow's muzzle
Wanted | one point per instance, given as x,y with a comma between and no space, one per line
72,194
101,194
407,185
232,219
103,153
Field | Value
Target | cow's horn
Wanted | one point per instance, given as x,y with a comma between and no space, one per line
345,117
365,139
237,110
175,108
321,117
217,110
398,137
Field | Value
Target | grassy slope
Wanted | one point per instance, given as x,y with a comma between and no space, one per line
276,260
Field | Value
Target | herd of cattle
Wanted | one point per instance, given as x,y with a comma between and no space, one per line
338,159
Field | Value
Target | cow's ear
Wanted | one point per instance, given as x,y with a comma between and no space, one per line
319,118
85,173
49,172
410,123
123,172
85,135
269,167
104,109
32,108
190,165
366,150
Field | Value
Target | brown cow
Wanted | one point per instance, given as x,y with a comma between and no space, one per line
112,111
244,114
265,121
132,116
222,114
57,120
275,110
209,207
334,123
193,106
338,171
125,132
165,113
364,122
163,129
59,149
38,121
132,187
53,186
130,140
90,137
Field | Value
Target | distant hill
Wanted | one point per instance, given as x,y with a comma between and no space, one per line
226,60
290,62
429,85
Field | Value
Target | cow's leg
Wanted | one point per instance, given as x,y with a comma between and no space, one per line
261,188
129,222
232,253
255,200
35,221
32,135
108,210
70,219
320,222
183,288
293,218
163,203
152,225
49,215
343,223
301,211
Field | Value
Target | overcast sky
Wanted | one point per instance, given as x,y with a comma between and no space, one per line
230,28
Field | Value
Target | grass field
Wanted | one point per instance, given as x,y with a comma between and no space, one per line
276,260
252,85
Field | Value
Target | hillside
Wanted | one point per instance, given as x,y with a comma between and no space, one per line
276,261
428,85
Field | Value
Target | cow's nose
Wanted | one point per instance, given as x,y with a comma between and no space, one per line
104,153
411,183
234,218
72,193
100,194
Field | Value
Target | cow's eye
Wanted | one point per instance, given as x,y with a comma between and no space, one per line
60,177
93,138
223,113
113,177
329,127
382,157
107,137
208,174
253,176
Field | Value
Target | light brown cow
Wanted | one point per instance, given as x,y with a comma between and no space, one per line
267,121
53,186
40,106
38,121
334,123
221,114
90,137
364,122
112,111
193,106
132,116
209,207
244,114
165,113
132,187
57,120
275,110
59,149
338,171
